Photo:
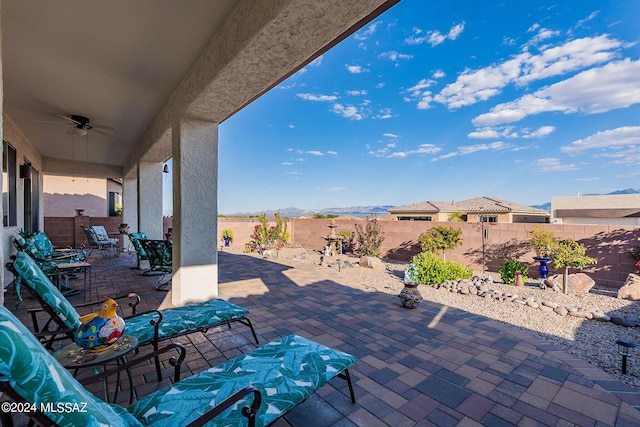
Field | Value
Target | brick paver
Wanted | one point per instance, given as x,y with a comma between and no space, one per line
428,366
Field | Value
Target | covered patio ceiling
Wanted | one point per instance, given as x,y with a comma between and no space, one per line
131,68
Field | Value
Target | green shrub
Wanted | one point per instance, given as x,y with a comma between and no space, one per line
433,270
508,270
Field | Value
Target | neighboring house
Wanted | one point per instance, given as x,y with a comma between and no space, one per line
63,195
610,209
490,208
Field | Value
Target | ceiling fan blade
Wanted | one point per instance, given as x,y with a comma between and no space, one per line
69,119
109,135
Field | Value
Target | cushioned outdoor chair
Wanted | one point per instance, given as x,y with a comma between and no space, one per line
160,259
252,389
149,327
140,252
99,239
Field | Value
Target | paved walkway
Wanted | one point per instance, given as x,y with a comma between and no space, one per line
433,366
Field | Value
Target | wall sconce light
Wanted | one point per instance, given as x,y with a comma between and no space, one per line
165,169
624,349
25,171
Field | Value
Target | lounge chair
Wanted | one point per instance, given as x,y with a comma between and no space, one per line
149,327
99,239
140,252
160,259
254,388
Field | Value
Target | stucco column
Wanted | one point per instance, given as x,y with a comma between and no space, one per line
195,210
150,199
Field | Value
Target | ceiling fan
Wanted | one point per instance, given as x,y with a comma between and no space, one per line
80,125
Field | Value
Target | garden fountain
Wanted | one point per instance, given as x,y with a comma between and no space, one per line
332,239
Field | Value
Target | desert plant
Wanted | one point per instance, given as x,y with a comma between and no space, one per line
369,238
567,253
635,253
266,235
440,239
542,240
429,269
508,268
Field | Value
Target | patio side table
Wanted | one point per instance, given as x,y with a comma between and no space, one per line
63,270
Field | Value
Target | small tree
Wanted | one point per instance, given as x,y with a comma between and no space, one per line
440,238
567,253
455,216
542,240
369,238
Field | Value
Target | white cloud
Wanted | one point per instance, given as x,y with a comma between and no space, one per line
332,153
470,149
315,153
356,69
347,111
287,163
316,62
385,113
438,74
422,149
551,164
612,86
317,97
485,133
395,56
293,173
390,135
473,86
540,132
621,137
356,92
367,32
435,37
292,126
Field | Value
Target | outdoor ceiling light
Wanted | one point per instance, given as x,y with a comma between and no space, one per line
624,349
165,169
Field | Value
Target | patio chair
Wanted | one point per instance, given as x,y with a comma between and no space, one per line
255,388
100,240
141,254
160,259
150,327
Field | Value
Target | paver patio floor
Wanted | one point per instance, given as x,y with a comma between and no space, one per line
432,366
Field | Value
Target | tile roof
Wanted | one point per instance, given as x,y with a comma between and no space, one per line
486,204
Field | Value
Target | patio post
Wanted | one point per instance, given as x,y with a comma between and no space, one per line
195,210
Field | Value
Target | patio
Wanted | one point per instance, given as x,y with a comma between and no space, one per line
431,366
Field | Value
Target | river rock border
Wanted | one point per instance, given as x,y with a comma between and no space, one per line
481,287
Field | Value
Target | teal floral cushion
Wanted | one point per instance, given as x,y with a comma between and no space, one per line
286,372
186,318
44,245
135,241
159,254
38,378
34,277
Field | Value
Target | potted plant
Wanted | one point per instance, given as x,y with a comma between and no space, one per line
410,295
227,236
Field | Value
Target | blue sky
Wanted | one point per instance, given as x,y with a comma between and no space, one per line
448,101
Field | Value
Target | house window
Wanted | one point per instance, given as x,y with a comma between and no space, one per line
9,179
414,218
489,218
115,204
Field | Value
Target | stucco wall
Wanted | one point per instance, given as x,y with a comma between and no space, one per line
64,194
608,244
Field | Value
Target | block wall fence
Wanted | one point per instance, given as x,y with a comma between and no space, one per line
610,245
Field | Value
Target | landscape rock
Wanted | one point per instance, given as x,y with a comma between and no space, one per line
631,288
372,262
622,321
580,284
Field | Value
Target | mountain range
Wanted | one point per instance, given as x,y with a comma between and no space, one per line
384,209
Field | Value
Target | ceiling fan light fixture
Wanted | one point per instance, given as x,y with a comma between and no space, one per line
80,131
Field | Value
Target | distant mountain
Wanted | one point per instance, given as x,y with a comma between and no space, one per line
544,206
625,191
351,210
547,206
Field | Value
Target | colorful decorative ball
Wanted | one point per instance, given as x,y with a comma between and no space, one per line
100,330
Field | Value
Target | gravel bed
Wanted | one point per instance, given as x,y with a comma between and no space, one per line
590,340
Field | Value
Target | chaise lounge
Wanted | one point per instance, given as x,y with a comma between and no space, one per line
150,327
278,376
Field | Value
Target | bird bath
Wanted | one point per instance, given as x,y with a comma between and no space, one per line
332,239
